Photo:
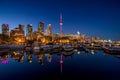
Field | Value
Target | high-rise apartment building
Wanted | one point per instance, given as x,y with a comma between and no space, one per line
5,29
29,32
41,28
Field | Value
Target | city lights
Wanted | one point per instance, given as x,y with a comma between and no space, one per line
78,33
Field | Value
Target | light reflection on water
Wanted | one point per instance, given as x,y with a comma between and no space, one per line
33,65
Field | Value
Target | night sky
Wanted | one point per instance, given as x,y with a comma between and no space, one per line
91,17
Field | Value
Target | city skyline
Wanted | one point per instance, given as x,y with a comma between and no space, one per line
93,18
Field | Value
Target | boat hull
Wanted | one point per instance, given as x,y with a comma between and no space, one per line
111,51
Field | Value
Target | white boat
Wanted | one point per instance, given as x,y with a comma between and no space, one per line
36,46
95,46
67,47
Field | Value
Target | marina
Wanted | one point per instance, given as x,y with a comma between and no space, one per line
94,64
59,40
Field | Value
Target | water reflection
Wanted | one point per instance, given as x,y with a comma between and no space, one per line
4,58
92,51
78,52
17,56
62,63
68,53
115,55
49,58
29,56
40,58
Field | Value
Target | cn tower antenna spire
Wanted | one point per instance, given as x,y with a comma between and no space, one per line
61,24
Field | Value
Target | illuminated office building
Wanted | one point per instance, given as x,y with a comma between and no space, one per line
29,32
21,27
5,29
41,28
49,30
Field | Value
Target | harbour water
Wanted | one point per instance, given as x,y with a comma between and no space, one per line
95,65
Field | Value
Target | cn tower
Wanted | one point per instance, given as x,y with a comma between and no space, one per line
61,23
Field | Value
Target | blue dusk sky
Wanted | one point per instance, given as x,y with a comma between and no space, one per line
91,17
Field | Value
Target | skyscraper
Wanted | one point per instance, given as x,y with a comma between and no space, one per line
49,30
29,32
41,28
21,27
5,29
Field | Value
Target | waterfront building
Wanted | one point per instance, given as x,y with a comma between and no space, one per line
41,28
83,38
21,27
71,36
64,40
29,35
5,29
55,38
37,36
49,30
17,34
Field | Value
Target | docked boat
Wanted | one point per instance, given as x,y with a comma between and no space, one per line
94,46
97,46
80,47
112,50
36,46
28,47
16,47
50,45
67,47
57,48
45,49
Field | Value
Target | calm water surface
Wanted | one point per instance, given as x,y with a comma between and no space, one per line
20,65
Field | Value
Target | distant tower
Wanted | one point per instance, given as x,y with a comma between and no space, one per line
41,28
61,24
29,32
21,27
5,29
